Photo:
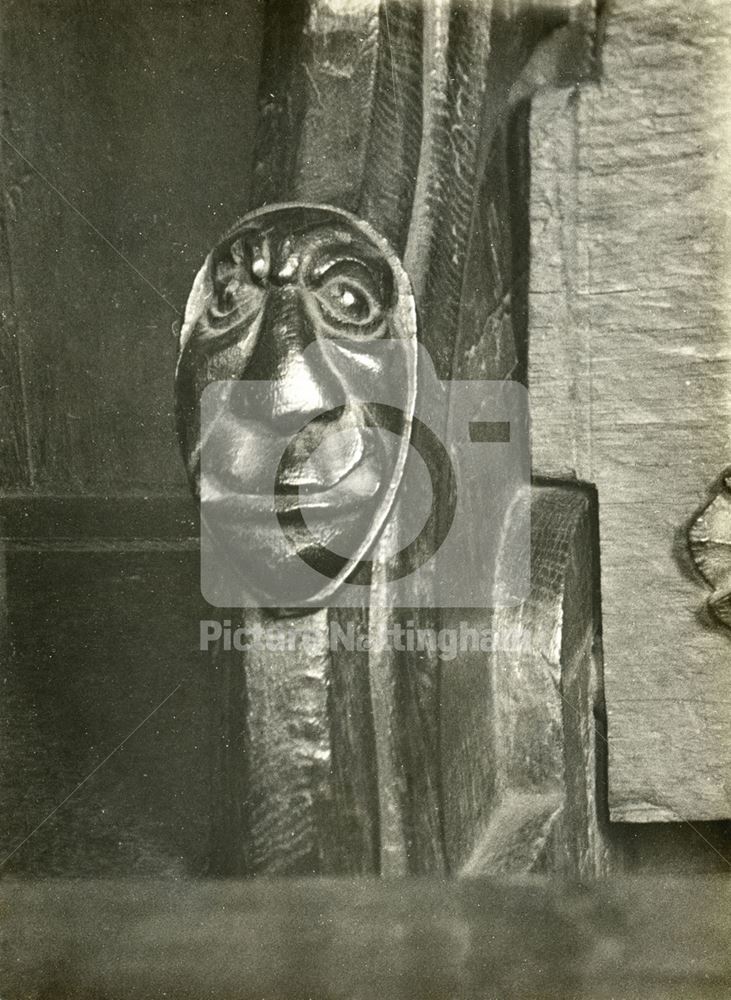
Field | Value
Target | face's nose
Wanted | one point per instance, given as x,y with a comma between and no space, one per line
291,390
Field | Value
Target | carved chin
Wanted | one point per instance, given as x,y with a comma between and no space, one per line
267,540
266,551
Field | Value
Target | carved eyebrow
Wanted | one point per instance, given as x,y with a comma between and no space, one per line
357,251
373,269
335,261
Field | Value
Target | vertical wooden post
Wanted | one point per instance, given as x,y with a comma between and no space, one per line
403,113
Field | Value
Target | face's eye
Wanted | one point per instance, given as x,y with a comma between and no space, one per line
236,299
347,301
349,297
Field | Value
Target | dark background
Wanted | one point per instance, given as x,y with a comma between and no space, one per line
140,117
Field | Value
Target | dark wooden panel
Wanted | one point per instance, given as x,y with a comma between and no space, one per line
55,522
93,643
290,940
15,458
140,118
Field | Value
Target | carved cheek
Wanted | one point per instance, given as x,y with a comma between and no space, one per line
240,457
378,369
231,362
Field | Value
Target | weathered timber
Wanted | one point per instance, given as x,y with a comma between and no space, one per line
629,363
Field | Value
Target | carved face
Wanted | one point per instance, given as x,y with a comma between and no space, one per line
306,316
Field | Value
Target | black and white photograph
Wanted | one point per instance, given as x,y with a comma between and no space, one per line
365,499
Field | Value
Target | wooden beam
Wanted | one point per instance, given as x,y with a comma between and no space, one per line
629,375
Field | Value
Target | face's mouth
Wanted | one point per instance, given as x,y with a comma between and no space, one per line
313,488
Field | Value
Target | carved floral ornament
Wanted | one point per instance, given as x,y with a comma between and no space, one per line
709,539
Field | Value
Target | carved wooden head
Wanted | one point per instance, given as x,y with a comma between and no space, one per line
292,311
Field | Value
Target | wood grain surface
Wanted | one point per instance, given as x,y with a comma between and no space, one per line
128,137
519,724
629,374
401,113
